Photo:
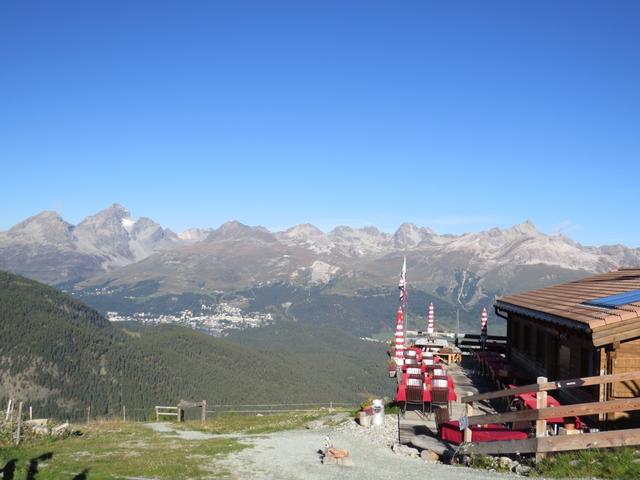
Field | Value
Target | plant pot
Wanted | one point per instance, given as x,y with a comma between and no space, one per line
363,419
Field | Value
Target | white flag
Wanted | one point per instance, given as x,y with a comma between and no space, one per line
402,285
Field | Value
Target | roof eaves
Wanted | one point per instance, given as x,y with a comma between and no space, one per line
547,317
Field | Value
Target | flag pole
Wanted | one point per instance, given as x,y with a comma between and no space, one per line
402,285
406,294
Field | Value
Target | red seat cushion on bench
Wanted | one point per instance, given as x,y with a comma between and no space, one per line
493,432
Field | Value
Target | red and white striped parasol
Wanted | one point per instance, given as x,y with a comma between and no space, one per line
483,322
430,319
399,337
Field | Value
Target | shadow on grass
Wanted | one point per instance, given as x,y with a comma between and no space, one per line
9,470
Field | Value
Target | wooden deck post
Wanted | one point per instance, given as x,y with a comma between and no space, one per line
602,394
541,425
19,424
467,431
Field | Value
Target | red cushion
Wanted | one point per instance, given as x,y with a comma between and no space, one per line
493,432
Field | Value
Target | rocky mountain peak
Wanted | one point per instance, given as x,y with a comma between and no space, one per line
527,228
409,235
46,227
114,210
304,231
106,232
234,230
194,235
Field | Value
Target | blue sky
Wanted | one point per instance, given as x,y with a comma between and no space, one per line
455,115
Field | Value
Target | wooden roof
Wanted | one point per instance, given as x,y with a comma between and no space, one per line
564,304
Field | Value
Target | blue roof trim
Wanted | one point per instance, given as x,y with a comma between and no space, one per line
614,301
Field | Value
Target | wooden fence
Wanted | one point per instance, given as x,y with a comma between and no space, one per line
276,407
541,443
162,411
253,409
472,341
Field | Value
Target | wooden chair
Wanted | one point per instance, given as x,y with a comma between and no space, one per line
414,392
441,416
440,393
416,374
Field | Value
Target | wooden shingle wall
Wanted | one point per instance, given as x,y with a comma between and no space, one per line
626,358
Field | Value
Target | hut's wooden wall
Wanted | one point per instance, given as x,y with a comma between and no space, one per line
625,357
553,351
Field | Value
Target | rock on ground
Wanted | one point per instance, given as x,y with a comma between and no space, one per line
429,456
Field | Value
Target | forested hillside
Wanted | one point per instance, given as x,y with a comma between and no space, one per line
62,356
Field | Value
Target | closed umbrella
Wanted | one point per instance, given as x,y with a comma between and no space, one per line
430,319
399,337
484,320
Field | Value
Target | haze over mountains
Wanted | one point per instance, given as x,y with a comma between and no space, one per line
303,267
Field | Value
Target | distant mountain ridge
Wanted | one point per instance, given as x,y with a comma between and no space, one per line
112,238
113,252
47,248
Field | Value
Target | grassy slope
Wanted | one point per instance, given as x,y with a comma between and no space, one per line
117,450
62,356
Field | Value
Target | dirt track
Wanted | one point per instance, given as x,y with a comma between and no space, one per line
294,455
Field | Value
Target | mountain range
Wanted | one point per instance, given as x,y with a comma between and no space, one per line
299,271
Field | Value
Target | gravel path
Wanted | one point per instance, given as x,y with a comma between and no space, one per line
295,455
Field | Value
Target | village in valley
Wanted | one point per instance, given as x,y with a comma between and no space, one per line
215,320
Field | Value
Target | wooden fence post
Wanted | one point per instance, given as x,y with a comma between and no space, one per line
157,416
19,423
124,413
541,425
9,405
467,431
30,412
88,413
204,411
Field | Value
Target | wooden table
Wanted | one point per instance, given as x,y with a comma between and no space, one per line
449,358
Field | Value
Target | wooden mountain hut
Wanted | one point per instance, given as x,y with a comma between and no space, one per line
577,329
